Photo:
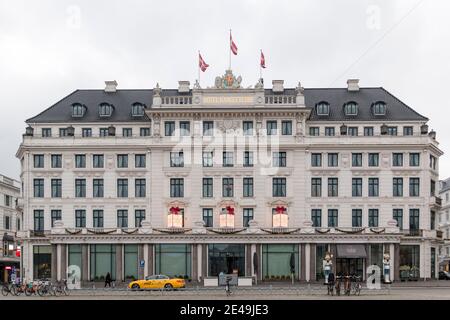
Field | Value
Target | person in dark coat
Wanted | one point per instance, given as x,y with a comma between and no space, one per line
108,280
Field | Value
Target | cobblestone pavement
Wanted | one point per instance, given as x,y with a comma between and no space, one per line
259,293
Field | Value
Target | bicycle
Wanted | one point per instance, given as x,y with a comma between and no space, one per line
61,288
347,285
338,285
7,289
356,285
45,288
330,288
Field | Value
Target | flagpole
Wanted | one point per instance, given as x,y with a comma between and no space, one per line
199,67
260,67
230,51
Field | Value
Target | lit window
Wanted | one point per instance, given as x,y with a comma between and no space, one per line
226,218
280,217
175,218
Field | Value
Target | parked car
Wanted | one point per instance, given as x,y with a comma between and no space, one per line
444,275
157,282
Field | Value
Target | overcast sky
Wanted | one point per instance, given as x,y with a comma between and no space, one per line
50,48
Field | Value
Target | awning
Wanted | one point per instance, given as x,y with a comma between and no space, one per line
351,251
8,238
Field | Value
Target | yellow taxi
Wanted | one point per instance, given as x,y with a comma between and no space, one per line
157,282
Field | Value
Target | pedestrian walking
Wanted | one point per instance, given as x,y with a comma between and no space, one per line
108,280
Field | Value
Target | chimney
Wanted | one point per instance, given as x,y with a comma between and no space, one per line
111,86
278,86
353,84
184,86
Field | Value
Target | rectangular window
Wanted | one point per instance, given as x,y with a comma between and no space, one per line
279,187
330,131
80,188
374,159
177,159
332,218
127,132
80,218
368,131
397,159
208,159
39,161
374,187
247,128
140,188
271,128
333,159
414,219
433,162
398,187
356,218
122,188
7,223
208,128
80,161
353,131
397,215
208,217
104,132
97,218
373,218
228,159
316,217
357,187
56,216
248,187
227,187
356,159
98,188
46,132
139,216
316,160
177,188
122,161
286,128
248,159
144,132
432,220
63,132
122,218
86,132
185,128
314,131
392,131
333,187
279,159
98,161
432,188
169,128
38,185
208,188
56,188
414,159
56,161
414,187
248,216
408,131
39,220
316,187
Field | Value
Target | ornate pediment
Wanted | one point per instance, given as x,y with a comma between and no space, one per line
228,81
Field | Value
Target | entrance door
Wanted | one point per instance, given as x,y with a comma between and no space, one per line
345,266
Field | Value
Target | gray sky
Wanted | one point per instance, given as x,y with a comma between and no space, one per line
50,48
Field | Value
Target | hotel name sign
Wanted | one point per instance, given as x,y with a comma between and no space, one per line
228,100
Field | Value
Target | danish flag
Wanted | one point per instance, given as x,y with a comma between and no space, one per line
233,46
263,61
202,64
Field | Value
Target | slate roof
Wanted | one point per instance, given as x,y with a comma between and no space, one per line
61,112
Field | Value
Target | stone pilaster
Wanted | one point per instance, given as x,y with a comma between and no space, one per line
140,257
54,270
194,271
302,262
63,261
119,259
84,260
312,261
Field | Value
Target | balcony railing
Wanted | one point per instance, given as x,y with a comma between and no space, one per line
281,99
413,233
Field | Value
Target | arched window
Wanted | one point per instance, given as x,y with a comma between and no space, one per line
78,110
105,110
323,109
137,110
379,108
351,109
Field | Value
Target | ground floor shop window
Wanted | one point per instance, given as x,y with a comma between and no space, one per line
42,262
376,254
75,257
321,250
278,259
173,260
350,266
103,261
409,262
130,261
226,258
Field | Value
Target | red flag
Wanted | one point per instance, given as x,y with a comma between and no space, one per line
263,61
202,64
234,47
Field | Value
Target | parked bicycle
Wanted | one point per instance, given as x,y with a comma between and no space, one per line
356,285
61,288
7,289
330,285
347,285
338,285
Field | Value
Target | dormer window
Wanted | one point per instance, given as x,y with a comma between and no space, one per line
323,109
379,108
137,110
78,110
351,109
105,110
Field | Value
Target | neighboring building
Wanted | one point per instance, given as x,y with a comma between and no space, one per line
444,224
10,221
137,182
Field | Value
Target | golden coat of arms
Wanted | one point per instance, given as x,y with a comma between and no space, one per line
228,81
